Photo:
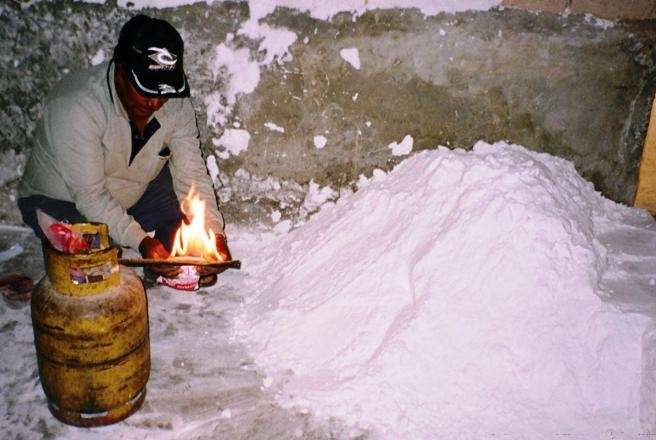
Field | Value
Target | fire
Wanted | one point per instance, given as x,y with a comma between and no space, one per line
193,239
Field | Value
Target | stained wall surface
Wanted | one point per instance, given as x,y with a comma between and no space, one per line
610,9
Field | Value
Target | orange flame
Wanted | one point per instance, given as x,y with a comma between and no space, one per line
193,239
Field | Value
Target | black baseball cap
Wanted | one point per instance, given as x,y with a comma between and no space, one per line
152,52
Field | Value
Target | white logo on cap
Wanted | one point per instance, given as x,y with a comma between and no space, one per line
163,58
165,88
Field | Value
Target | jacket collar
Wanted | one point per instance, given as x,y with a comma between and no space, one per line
110,86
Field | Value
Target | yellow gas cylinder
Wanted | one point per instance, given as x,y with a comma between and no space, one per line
90,321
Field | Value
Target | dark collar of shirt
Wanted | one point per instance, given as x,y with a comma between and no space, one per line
139,141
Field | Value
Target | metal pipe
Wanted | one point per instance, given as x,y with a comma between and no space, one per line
144,262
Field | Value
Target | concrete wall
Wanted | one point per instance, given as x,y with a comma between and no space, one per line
609,9
568,85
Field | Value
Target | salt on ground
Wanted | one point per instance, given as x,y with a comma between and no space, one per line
457,296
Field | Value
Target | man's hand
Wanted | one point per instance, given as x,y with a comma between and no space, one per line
153,248
222,247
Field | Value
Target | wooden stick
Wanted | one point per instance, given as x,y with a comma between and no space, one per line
233,264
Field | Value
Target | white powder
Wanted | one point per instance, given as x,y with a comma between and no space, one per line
351,56
283,227
316,197
455,297
402,148
233,141
242,174
98,58
273,127
276,216
213,170
600,22
241,74
274,42
320,141
244,74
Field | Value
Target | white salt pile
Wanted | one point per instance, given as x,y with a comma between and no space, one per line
455,297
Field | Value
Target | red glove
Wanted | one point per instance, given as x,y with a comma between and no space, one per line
153,248
222,247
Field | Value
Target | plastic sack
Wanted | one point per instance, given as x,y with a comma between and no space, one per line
187,279
60,235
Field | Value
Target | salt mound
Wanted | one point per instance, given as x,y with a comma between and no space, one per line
455,297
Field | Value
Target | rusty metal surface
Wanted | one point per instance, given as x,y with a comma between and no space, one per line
93,351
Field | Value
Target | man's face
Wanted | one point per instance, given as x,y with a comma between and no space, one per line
138,107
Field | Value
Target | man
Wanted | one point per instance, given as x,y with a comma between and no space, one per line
118,144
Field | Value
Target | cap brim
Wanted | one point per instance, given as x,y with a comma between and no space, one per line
165,85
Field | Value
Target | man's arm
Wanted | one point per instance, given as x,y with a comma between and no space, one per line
187,166
76,138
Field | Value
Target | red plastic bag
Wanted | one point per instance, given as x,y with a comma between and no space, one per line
60,235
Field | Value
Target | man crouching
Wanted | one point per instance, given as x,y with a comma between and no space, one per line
118,144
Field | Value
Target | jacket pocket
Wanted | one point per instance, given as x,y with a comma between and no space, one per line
158,165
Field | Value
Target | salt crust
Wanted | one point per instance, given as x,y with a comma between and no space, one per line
402,148
352,56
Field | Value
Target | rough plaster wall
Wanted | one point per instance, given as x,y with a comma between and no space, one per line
552,83
625,9
554,6
549,83
609,9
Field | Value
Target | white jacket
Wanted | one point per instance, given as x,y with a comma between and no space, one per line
83,145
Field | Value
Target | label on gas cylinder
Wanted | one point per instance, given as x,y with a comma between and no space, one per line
91,273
